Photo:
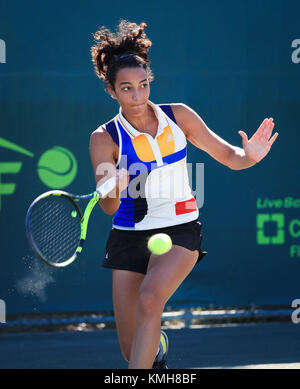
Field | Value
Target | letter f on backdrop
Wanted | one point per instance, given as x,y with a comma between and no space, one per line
8,168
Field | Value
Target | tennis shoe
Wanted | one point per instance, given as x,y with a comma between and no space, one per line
160,360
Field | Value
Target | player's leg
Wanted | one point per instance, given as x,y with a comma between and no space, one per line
126,285
165,274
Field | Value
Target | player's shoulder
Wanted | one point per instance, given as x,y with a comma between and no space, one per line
179,107
100,135
101,130
180,111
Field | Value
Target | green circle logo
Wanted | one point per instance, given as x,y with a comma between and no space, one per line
57,167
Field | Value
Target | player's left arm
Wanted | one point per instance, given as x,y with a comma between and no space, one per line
236,158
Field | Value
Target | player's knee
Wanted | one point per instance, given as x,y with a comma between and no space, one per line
149,302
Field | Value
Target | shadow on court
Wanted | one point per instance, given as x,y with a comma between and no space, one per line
266,345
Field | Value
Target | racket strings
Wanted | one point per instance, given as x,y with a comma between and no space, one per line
55,228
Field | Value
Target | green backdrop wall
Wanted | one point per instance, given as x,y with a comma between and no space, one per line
235,62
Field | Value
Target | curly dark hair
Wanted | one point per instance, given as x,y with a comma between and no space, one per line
128,47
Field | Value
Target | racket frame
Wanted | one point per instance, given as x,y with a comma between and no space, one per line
100,192
84,218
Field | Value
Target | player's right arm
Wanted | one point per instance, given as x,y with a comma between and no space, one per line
104,154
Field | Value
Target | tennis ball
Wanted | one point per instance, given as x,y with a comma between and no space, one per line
159,244
73,213
57,167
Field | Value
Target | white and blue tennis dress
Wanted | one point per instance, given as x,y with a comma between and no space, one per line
159,193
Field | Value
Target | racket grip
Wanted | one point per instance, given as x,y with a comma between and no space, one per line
107,187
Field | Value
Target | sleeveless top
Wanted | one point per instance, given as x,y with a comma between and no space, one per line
158,194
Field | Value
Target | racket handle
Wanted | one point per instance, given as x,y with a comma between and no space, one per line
107,187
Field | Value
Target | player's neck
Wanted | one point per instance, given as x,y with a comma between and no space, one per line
145,122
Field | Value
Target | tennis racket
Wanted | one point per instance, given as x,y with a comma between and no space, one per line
56,228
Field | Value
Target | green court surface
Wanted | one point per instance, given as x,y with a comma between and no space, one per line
263,345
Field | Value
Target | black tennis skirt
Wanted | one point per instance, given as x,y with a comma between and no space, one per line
127,249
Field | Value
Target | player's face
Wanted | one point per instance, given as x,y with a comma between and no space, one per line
132,90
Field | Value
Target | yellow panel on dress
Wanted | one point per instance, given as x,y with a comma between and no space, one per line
143,148
166,142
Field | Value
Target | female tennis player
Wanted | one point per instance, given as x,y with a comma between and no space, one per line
144,145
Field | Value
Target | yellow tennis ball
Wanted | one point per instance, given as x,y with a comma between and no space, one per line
159,244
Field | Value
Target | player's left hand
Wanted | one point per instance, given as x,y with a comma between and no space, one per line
258,146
